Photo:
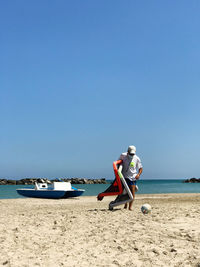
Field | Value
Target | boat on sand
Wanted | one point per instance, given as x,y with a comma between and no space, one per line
55,190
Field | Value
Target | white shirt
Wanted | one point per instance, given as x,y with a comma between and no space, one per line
130,166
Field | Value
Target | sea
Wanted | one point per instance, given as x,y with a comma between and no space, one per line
158,186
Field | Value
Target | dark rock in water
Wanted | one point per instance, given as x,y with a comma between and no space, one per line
192,180
11,182
30,181
85,181
3,181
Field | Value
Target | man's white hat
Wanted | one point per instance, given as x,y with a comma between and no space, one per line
131,149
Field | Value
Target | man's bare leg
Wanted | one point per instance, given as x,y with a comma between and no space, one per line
132,188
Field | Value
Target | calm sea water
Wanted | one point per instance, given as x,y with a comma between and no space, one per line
145,187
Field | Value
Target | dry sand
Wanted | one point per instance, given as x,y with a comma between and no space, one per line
83,232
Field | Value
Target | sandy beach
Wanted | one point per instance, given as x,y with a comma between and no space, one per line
83,232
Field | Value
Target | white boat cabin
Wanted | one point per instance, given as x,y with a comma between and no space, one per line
65,186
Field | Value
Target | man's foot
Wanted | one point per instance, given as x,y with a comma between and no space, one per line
130,209
125,206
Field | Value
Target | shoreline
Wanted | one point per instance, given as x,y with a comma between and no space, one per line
138,196
82,231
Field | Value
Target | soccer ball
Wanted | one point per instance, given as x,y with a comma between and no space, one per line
146,208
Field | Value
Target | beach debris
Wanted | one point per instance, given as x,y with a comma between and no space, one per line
116,263
173,250
120,248
155,251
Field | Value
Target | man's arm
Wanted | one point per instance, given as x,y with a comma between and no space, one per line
139,173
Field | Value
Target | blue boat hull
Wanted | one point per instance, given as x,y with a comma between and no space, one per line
52,194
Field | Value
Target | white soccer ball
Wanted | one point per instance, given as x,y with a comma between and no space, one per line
146,208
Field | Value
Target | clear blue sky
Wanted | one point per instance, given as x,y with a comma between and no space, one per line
82,80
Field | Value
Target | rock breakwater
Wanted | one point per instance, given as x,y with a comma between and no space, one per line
30,181
192,180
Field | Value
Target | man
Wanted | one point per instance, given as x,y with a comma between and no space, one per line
131,170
